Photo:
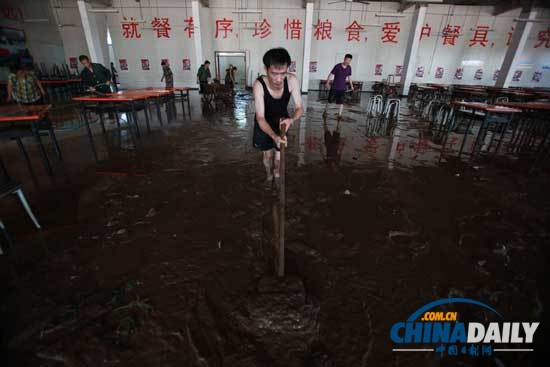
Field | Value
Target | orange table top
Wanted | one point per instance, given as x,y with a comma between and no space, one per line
543,106
184,89
60,81
119,97
427,87
487,107
130,95
149,91
17,112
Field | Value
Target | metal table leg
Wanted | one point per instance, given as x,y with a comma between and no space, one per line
44,155
90,135
188,103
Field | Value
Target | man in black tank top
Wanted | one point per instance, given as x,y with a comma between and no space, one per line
271,96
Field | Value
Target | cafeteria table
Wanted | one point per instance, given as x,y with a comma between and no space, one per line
120,102
183,96
499,116
13,116
533,128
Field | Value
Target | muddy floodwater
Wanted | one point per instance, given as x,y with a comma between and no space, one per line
161,253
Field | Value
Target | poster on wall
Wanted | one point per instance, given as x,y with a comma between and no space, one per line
123,64
495,75
313,66
292,67
479,74
517,75
73,63
458,73
537,76
378,69
420,72
439,72
398,70
186,64
144,64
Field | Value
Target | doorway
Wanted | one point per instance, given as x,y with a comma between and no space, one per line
224,59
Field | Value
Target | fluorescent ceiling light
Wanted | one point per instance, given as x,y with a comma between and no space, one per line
472,63
247,11
103,10
389,15
531,20
36,20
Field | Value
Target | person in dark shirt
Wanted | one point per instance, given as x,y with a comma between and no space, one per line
203,75
95,76
167,75
342,74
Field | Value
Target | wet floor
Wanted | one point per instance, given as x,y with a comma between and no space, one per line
160,254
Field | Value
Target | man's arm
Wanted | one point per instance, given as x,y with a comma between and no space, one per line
297,97
350,83
327,83
260,113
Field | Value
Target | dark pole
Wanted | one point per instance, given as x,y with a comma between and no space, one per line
281,270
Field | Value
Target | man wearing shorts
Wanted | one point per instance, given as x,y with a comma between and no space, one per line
342,74
272,93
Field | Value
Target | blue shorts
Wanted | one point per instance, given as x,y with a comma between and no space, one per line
336,96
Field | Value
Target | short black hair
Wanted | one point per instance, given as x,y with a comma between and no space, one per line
163,62
348,56
206,62
83,57
276,56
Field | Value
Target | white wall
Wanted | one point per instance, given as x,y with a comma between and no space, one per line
241,39
175,48
72,34
367,53
535,59
433,54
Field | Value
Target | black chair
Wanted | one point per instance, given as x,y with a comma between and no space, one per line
9,187
15,131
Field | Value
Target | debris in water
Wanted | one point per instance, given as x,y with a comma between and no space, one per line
120,232
219,244
151,213
347,192
392,234
136,196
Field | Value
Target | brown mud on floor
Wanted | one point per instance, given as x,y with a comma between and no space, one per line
160,255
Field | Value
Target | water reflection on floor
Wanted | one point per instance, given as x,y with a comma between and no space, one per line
149,256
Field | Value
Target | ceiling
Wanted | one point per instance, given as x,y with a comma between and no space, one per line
501,6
